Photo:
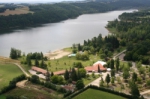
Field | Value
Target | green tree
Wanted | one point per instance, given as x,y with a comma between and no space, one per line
101,82
126,75
36,63
112,64
35,79
66,75
134,76
74,75
82,72
113,73
107,79
117,64
79,84
134,90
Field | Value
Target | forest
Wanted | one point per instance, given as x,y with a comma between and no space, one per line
133,30
50,13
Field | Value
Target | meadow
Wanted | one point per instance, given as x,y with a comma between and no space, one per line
96,94
7,73
17,11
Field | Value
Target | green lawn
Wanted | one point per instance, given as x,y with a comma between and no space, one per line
67,63
96,94
7,73
2,97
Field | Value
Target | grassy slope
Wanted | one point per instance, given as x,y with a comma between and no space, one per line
7,73
96,94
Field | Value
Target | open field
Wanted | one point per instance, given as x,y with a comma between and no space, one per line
2,97
7,73
96,94
32,91
22,10
67,63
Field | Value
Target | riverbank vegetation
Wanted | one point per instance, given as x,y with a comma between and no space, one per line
133,32
49,13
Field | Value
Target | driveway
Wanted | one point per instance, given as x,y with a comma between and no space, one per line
96,82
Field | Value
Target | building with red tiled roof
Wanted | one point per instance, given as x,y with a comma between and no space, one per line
94,68
37,69
61,72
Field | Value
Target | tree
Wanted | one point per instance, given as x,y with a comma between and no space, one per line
52,74
36,63
134,90
74,75
117,64
112,80
35,79
82,72
47,75
99,69
15,53
134,77
112,64
101,82
107,79
126,74
112,72
80,84
66,75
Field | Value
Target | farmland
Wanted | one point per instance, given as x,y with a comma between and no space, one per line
17,11
7,73
96,94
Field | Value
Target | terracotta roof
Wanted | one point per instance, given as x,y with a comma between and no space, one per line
39,69
59,72
95,67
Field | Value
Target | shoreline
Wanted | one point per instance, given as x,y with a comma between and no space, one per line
59,53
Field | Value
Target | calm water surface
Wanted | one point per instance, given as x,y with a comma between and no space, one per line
50,37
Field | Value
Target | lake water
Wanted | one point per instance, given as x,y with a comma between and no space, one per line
50,37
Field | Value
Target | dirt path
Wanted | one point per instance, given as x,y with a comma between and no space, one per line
145,92
21,84
22,69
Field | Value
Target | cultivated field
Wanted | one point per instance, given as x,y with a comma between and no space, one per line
7,73
22,10
96,94
31,91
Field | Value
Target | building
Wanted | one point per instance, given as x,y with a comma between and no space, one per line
95,66
40,70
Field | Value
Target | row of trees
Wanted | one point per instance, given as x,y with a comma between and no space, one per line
15,53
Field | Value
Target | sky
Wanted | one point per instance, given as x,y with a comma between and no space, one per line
35,1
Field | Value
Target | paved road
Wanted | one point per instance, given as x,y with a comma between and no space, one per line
119,54
22,69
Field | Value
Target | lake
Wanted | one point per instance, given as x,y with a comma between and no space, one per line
53,36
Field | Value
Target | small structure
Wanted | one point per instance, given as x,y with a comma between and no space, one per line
40,70
72,55
59,72
108,69
100,62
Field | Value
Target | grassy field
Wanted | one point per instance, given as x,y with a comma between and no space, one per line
22,10
7,73
67,63
2,97
96,94
64,63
